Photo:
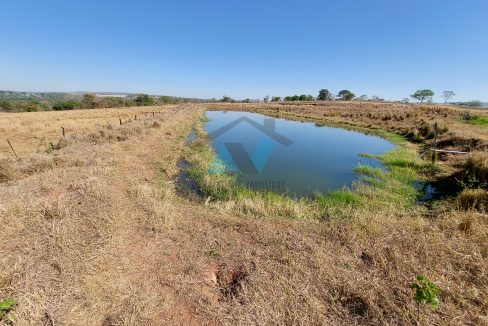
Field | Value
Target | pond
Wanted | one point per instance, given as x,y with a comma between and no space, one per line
286,156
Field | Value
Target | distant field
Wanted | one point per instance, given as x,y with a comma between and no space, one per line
96,229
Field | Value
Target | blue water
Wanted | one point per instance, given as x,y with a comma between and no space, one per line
285,156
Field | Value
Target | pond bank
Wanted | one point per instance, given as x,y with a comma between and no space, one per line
394,187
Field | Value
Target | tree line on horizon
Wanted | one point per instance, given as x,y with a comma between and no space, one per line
59,101
423,95
87,101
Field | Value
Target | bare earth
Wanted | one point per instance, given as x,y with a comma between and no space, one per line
93,232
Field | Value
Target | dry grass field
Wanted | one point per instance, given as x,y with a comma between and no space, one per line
94,231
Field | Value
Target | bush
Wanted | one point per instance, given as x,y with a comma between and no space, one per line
473,199
65,105
475,171
144,100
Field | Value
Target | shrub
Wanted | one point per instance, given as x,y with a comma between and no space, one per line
475,171
144,100
476,199
65,105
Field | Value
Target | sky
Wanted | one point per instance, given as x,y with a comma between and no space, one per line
246,48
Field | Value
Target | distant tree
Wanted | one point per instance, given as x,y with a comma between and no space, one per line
276,99
226,99
167,100
310,98
112,102
302,97
292,98
375,98
246,101
345,95
447,95
324,95
144,100
406,100
65,105
363,97
473,103
422,95
5,106
266,99
32,106
88,101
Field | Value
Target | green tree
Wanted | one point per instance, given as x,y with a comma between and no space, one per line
302,97
363,97
226,99
144,100
266,99
66,105
422,95
276,99
167,100
324,95
345,95
5,106
447,95
88,101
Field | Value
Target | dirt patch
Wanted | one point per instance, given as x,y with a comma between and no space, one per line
356,305
231,280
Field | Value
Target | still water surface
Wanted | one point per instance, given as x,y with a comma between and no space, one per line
297,158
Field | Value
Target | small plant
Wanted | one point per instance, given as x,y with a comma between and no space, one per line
426,292
213,252
5,306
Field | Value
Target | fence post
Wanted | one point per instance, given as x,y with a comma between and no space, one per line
120,121
62,128
434,145
12,148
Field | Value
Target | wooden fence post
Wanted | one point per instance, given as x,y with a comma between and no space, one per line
62,128
434,145
120,121
12,148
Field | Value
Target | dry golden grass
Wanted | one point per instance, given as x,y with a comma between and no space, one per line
94,233
33,131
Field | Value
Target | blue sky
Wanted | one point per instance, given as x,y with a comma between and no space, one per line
246,48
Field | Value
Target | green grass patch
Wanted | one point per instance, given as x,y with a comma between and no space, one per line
336,198
369,170
477,120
